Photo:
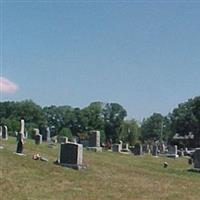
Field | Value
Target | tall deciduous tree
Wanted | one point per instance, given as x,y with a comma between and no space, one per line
186,119
114,115
154,127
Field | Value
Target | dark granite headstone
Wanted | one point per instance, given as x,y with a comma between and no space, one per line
155,150
38,139
94,139
137,150
71,155
5,132
196,158
145,148
20,143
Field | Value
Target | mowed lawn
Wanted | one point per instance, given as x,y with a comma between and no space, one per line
109,176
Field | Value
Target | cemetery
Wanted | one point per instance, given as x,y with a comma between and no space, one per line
67,162
139,172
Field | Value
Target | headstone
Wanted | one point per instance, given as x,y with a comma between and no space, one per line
71,155
48,134
138,150
22,127
94,141
162,148
145,148
1,129
20,143
154,150
196,158
116,147
62,139
172,152
5,132
38,137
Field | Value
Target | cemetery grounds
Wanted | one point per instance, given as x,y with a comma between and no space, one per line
109,176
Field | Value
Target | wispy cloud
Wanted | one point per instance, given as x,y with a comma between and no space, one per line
7,86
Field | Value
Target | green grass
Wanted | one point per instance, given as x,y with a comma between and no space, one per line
108,176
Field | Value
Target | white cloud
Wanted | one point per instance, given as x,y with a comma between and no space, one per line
7,86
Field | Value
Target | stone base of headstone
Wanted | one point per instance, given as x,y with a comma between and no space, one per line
172,155
194,170
125,150
72,166
19,154
96,149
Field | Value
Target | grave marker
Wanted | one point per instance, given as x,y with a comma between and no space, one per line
5,132
71,155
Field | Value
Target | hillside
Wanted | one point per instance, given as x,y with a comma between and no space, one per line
108,176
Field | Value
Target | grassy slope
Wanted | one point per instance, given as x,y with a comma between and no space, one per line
109,176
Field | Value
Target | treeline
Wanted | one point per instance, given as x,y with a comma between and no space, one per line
109,118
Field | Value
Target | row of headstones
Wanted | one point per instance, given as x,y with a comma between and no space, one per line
139,149
71,154
94,143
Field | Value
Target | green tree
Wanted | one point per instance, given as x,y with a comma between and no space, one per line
155,128
129,132
186,119
114,115
66,132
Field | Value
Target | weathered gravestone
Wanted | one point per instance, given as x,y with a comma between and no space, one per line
71,155
38,137
94,141
162,147
154,150
48,134
5,132
196,158
172,152
138,150
1,129
146,148
20,143
22,126
116,148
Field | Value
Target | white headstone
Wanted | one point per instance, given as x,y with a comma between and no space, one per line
22,126
48,134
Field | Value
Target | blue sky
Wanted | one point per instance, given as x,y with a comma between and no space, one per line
144,55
